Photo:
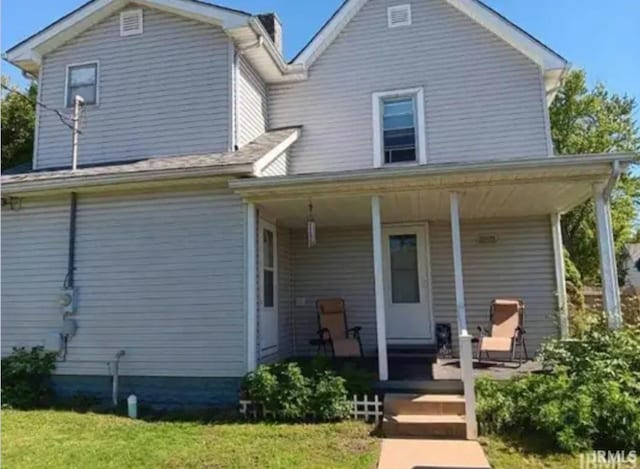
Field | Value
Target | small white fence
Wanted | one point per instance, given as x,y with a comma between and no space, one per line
362,409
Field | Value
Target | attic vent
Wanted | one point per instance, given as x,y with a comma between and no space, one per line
399,15
131,22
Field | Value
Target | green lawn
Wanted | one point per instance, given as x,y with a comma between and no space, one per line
57,439
53,439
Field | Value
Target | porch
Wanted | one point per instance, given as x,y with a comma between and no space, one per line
411,248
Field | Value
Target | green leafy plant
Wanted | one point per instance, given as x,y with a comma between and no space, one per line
589,398
328,400
25,378
286,393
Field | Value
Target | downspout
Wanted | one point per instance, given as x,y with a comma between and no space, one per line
614,177
616,172
71,260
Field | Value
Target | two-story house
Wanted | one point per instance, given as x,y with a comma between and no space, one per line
402,161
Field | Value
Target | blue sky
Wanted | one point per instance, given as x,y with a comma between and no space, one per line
601,36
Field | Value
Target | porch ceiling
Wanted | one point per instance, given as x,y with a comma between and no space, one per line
488,190
515,200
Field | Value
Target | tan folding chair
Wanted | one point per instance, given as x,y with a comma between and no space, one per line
333,329
506,332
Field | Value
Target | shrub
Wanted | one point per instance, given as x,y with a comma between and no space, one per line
25,378
590,398
328,400
286,393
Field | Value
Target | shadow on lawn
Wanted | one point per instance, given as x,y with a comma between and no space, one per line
212,415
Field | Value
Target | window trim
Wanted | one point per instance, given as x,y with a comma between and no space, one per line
67,76
378,146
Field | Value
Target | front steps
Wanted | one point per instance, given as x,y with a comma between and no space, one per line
428,430
424,416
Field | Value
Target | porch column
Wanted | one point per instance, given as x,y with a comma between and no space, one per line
466,352
561,285
252,289
608,267
378,274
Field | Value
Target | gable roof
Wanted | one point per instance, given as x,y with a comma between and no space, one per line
245,29
553,64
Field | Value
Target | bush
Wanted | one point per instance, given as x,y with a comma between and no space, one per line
590,397
286,393
25,378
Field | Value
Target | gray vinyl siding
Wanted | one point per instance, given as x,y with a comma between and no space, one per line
159,275
483,99
519,265
34,265
340,265
251,103
278,167
165,92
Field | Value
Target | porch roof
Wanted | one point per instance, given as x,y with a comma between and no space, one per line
491,189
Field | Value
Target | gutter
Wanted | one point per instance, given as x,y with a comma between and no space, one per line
430,170
80,181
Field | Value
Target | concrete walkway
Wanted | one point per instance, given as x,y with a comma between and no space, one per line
431,454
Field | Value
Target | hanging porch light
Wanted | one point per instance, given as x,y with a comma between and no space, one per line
311,228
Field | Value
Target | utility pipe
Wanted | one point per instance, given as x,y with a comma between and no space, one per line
116,371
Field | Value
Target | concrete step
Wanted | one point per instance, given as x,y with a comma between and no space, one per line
424,426
424,404
433,454
440,386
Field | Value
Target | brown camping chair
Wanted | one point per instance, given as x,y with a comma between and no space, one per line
333,329
506,332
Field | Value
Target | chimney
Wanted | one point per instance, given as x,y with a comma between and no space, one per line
272,24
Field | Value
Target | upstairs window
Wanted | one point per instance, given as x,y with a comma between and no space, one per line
399,133
82,80
399,129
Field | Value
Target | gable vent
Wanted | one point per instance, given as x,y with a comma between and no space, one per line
130,22
399,15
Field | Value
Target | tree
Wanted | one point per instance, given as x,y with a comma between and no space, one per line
596,121
18,116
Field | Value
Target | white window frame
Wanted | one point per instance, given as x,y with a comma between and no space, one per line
391,10
67,76
378,144
136,32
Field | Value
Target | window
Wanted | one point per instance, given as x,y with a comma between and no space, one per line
399,129
82,80
399,133
403,253
268,269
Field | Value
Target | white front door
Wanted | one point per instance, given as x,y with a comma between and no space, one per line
268,289
408,315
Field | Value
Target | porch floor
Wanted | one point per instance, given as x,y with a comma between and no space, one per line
449,368
431,368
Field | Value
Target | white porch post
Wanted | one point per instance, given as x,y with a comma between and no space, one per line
609,270
466,352
378,273
252,289
561,285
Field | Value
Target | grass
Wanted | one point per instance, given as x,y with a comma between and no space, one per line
62,439
525,453
57,439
